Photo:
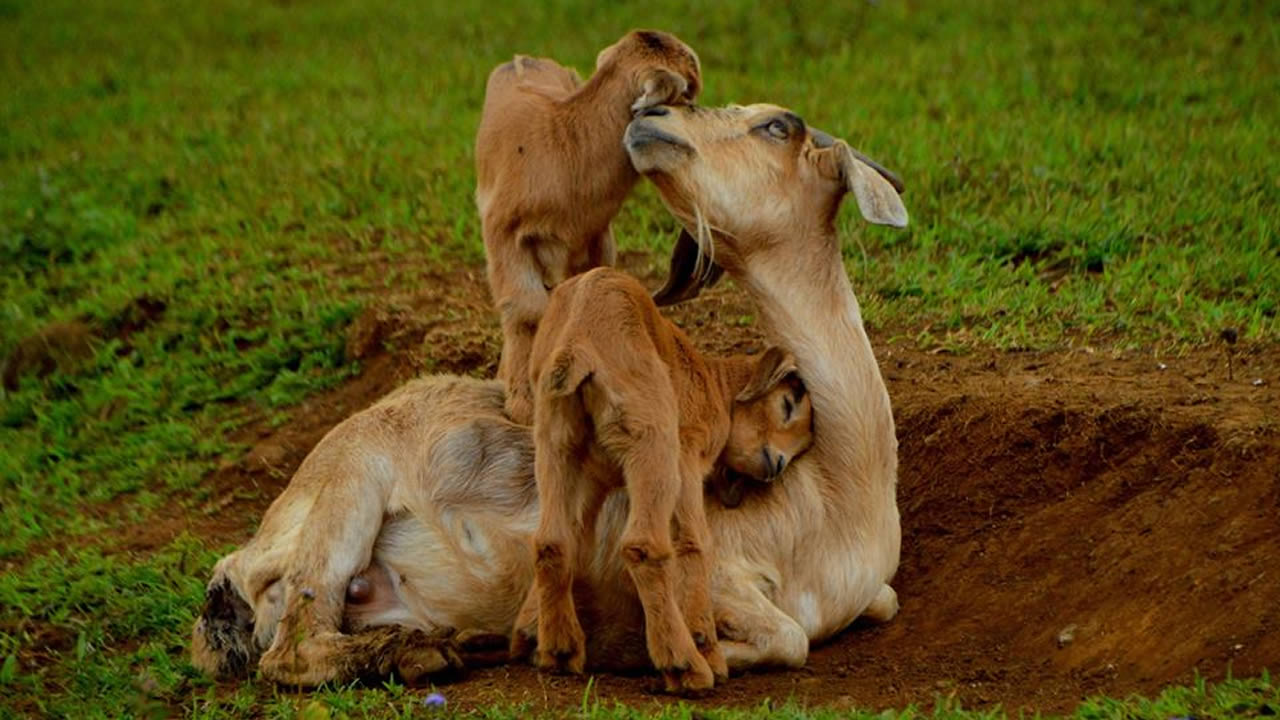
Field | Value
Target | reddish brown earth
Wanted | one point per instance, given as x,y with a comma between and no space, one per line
1074,523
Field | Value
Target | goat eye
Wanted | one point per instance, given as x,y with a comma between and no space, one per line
777,129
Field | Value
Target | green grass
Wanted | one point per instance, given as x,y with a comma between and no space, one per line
1078,173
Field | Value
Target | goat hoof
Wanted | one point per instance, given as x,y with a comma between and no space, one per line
563,662
424,659
717,662
522,643
694,680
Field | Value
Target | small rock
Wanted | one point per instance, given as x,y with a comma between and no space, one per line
1259,382
1161,366
1067,635
314,710
267,454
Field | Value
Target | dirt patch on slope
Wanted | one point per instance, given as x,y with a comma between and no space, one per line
1075,522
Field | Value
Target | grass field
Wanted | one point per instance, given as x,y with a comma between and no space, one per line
193,195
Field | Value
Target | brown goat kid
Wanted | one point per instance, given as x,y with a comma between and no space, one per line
622,397
551,173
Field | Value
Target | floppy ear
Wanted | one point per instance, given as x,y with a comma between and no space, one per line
684,282
774,367
872,185
661,87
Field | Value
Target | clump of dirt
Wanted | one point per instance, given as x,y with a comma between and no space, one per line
66,346
1075,522
58,346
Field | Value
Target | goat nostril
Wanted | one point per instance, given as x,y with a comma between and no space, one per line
655,111
781,463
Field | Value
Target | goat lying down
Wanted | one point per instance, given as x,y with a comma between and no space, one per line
431,492
551,174
622,397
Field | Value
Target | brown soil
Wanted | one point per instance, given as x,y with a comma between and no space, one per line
1075,522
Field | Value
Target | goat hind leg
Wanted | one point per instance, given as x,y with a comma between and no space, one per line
753,632
652,477
335,541
521,293
564,497
693,574
513,366
416,655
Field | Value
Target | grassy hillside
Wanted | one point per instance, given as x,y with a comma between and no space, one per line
196,198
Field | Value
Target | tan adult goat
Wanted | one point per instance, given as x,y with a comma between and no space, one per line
551,174
623,397
434,486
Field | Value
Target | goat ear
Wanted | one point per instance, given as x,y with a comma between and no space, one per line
873,186
684,282
774,367
661,87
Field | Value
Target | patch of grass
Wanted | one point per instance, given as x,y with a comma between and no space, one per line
212,190
1255,698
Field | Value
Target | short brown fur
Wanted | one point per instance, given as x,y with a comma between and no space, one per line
622,397
551,173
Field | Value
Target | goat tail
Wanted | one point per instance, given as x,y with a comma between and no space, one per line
570,366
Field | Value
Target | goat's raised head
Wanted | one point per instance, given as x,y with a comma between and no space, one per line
662,68
772,419
741,179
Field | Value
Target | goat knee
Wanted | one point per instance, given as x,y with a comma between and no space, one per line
645,552
789,647
550,556
884,607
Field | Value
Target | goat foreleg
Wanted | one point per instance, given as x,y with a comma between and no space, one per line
753,632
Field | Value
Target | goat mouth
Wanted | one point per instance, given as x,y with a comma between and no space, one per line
642,135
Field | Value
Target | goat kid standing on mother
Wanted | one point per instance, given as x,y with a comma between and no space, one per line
622,397
551,173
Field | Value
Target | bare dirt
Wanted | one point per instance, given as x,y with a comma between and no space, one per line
1075,522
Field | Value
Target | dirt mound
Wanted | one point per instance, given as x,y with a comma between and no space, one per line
1074,522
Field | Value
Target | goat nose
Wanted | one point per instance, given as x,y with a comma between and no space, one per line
655,111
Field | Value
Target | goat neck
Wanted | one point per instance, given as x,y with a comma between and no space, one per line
594,111
820,322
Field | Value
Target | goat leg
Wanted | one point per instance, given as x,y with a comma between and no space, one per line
417,656
753,632
335,541
693,574
652,477
563,497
